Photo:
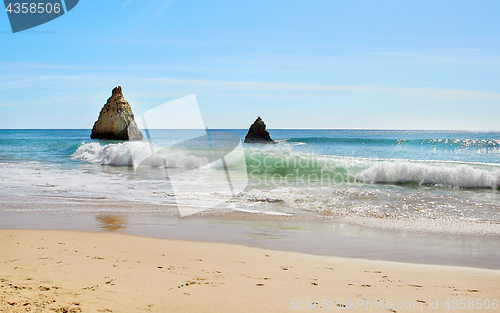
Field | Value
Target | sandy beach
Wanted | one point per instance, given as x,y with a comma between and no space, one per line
64,271
250,156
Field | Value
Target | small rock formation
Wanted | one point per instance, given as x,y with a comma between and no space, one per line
258,133
116,120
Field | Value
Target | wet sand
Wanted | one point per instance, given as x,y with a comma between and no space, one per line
312,237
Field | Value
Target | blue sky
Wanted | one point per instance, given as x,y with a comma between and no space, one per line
297,64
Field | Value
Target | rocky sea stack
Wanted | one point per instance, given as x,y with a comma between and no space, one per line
258,133
116,120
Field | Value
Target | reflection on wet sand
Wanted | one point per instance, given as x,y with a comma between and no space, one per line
112,222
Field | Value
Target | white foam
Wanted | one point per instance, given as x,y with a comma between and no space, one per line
120,154
424,225
80,184
464,176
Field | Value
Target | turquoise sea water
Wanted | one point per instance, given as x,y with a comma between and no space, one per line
424,181
55,146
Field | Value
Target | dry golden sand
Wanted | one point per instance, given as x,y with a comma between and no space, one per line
62,271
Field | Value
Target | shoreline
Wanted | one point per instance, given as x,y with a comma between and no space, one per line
112,272
318,238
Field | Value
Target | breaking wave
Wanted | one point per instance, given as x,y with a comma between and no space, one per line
298,167
464,176
283,165
122,154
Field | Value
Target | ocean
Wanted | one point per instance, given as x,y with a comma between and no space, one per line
423,183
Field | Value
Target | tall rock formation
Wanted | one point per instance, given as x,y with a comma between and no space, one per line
258,133
116,120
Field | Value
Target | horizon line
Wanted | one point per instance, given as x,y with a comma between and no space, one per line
388,129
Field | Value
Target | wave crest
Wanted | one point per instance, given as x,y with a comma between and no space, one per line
121,154
464,176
